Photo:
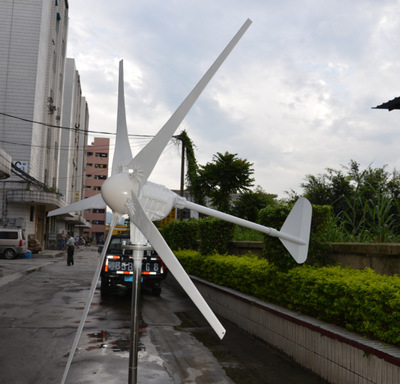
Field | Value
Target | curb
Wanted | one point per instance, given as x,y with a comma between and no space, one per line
48,255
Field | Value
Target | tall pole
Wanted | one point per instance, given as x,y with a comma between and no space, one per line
138,254
182,176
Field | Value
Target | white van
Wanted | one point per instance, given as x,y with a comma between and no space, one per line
12,242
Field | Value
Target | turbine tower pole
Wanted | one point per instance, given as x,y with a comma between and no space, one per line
137,254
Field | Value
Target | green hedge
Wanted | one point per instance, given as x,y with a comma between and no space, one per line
214,235
361,301
181,234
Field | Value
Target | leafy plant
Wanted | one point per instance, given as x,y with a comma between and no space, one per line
181,234
361,301
215,235
246,234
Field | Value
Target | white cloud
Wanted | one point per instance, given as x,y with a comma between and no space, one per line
294,97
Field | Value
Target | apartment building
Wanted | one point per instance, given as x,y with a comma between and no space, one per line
33,39
97,159
73,144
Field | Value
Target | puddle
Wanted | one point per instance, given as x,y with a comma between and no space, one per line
104,340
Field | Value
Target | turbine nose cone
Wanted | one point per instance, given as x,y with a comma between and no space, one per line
116,191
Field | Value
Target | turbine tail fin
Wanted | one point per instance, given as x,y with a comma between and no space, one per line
298,225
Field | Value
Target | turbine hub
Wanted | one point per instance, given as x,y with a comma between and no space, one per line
117,189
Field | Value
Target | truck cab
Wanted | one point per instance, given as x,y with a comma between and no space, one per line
117,268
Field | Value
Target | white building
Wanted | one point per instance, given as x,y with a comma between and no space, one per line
33,40
73,145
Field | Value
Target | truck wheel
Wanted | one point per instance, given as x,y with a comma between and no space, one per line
105,287
9,254
156,290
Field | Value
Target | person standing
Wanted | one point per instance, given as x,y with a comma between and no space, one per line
62,240
70,245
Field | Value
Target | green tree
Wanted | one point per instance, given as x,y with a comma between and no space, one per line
249,203
226,175
330,188
365,202
193,182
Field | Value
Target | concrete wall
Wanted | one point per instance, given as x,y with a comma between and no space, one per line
338,356
383,258
244,247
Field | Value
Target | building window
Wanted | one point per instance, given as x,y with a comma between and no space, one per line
97,188
88,176
101,154
89,165
100,177
89,154
100,165
98,211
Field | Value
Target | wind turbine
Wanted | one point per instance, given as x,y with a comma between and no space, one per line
128,191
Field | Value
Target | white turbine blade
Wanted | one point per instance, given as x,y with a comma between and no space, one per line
147,158
122,152
149,230
298,224
294,234
115,218
95,201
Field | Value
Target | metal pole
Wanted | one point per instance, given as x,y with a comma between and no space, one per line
135,318
138,254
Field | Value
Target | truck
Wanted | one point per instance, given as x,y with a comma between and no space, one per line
118,267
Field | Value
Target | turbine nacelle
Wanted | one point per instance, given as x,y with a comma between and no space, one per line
117,189
156,199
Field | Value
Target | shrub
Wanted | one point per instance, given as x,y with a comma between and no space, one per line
247,274
215,235
361,301
181,234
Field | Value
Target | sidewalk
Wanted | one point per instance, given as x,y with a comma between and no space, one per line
11,270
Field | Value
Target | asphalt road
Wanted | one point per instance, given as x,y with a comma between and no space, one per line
40,312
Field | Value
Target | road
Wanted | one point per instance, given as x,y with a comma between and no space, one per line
40,312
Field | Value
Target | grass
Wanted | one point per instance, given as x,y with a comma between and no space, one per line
246,234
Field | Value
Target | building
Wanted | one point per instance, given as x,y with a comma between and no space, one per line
73,145
97,157
33,39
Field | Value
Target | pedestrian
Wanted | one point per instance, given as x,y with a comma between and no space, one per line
70,244
62,240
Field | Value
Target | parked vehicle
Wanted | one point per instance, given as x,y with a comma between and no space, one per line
118,267
12,242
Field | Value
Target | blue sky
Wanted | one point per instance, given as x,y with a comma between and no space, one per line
293,98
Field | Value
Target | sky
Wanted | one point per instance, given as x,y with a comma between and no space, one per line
294,98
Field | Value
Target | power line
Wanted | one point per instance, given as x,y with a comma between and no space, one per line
64,147
77,129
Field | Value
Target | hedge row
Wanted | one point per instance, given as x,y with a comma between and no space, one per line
361,301
214,235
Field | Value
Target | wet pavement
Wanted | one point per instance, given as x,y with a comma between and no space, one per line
41,301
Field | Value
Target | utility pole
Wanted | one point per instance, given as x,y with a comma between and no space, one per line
182,176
